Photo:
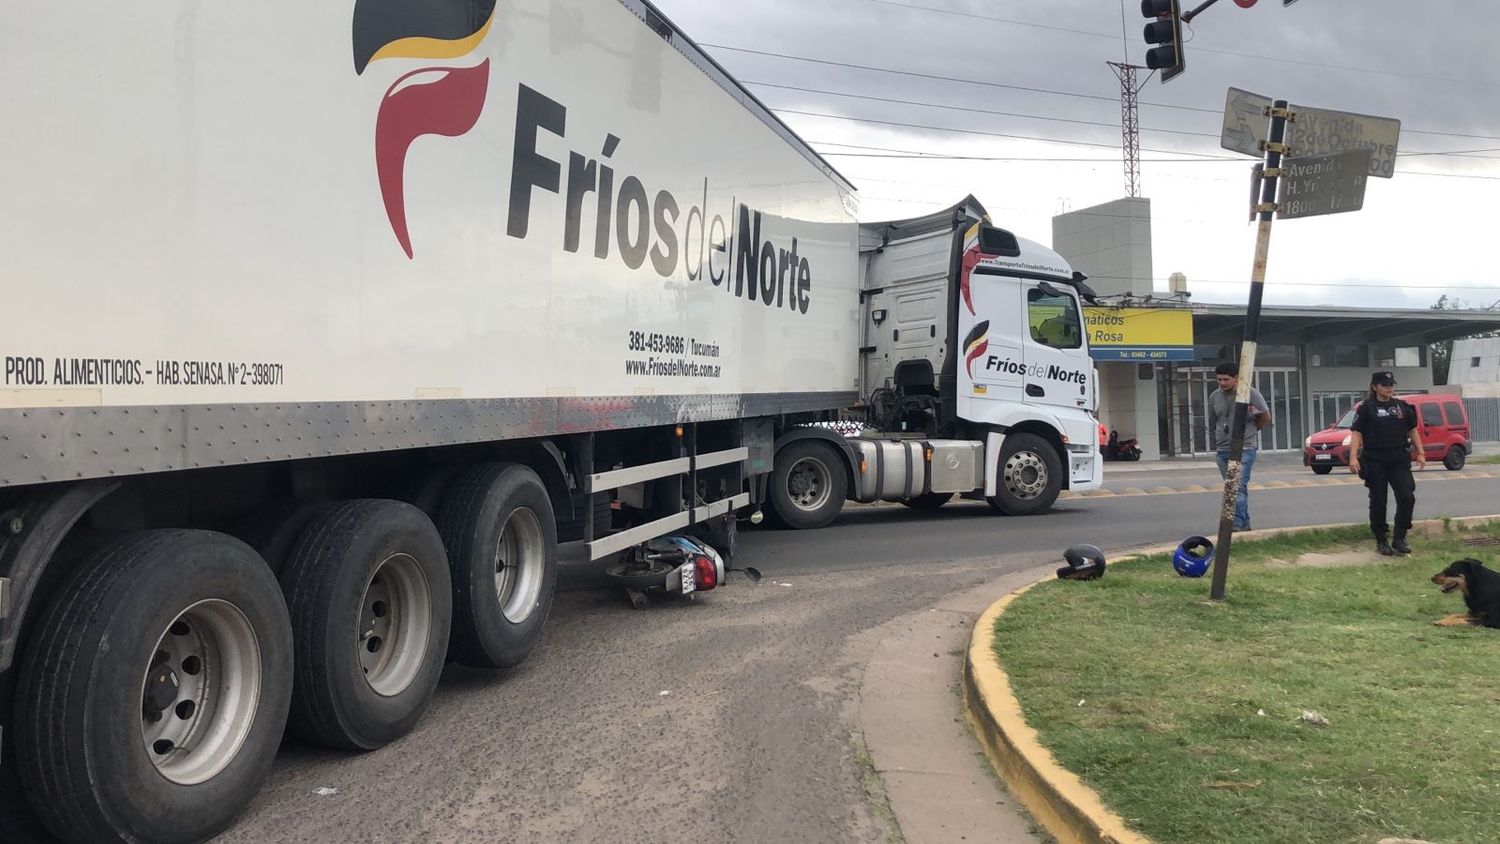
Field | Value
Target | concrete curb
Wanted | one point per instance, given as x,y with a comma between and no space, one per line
1067,808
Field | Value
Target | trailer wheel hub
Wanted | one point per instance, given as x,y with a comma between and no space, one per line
161,689
200,692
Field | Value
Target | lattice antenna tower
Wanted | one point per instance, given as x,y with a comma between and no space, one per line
1130,126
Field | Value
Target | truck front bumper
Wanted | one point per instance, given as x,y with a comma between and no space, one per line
1085,468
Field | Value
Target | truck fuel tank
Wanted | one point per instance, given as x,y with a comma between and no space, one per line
898,469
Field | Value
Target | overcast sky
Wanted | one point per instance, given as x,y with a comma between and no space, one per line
1429,230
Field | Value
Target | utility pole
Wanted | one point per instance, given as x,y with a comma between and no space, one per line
1266,210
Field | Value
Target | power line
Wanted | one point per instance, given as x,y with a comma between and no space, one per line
970,110
1091,34
947,157
1074,94
1204,156
914,155
933,128
933,76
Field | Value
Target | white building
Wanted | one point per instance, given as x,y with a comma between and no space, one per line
1474,367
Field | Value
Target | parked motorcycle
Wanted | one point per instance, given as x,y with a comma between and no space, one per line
1118,449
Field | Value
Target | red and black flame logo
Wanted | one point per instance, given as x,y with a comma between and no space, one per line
972,257
441,100
976,344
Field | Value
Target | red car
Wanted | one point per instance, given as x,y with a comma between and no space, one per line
1442,420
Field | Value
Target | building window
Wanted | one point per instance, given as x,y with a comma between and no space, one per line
1473,362
1411,356
1339,354
1278,354
1330,406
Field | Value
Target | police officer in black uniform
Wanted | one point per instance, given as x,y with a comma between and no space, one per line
1379,452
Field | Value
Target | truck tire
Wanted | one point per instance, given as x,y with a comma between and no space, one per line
571,530
929,501
808,485
426,488
1454,459
17,823
722,533
154,692
498,525
274,530
1030,476
370,602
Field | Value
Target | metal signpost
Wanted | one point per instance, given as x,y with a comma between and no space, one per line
1316,162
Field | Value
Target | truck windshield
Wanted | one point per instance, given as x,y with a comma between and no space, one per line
1053,319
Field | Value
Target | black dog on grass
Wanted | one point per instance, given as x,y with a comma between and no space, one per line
1481,590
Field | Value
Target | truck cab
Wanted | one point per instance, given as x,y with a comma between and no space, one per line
974,375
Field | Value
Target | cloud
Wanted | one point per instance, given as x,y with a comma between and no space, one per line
1423,234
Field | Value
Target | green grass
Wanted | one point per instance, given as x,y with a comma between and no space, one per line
1488,458
1150,693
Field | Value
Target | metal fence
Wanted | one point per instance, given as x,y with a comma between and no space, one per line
1484,419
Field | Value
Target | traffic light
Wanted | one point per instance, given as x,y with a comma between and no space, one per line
1165,31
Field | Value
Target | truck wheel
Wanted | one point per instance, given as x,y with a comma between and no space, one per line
571,530
498,525
808,485
1322,469
722,533
1030,476
274,530
1454,459
16,821
154,693
370,602
929,501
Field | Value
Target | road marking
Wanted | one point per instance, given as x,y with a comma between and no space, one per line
1263,486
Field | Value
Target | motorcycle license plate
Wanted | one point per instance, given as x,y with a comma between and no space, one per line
1323,457
689,581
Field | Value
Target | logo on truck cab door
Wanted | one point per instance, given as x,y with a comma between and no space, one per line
976,344
441,100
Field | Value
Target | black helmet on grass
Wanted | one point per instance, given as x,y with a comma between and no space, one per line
1084,562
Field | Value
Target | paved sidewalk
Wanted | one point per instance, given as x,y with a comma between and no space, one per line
940,787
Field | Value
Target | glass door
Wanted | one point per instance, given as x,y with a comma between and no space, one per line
1187,409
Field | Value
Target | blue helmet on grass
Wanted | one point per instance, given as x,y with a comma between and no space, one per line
1193,557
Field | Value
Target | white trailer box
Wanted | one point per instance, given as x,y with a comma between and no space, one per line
292,230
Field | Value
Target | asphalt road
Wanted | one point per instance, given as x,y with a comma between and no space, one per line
734,717
882,536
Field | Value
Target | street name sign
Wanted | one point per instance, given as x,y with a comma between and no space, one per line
1323,184
1312,131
